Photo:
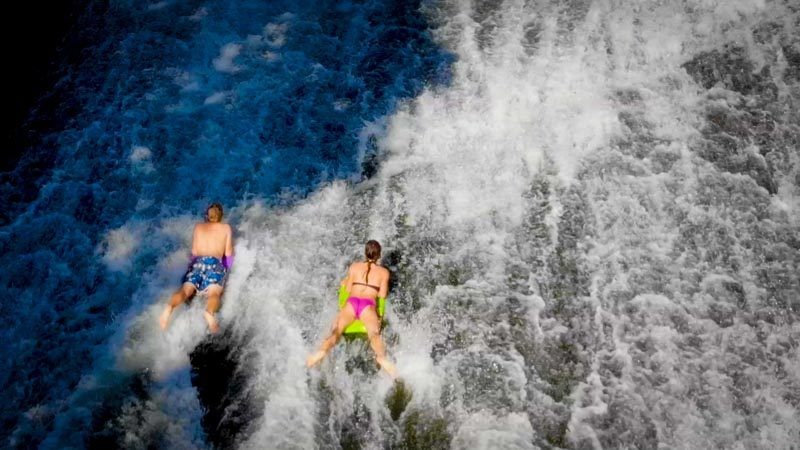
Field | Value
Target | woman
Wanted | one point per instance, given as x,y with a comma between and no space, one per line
365,281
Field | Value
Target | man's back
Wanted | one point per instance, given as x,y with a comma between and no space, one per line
212,251
212,239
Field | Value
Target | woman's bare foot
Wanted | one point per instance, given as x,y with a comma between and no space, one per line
315,358
163,320
213,325
388,367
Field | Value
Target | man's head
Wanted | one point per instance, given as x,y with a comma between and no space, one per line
214,212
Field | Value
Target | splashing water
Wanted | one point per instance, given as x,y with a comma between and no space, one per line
593,234
593,241
160,109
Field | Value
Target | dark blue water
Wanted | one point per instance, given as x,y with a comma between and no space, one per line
147,120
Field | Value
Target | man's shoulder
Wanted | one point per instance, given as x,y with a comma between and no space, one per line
213,226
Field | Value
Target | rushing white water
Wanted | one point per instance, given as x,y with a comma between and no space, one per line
593,231
575,267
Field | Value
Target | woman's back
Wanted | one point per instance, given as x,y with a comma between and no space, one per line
367,280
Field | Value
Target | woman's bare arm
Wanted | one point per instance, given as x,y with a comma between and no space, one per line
347,282
384,290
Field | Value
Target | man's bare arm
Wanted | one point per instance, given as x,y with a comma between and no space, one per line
229,242
194,241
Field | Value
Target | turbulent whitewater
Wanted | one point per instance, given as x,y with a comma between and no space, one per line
591,212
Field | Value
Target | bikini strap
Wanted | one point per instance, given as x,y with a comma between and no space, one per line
377,288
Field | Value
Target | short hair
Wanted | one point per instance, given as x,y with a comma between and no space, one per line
214,212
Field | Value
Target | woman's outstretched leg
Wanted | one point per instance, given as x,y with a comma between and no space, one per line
345,317
373,326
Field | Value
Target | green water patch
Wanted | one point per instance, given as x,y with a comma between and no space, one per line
423,431
398,398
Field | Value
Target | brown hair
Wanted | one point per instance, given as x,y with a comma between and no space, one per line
214,212
372,251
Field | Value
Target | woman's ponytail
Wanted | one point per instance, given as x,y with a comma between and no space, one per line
372,251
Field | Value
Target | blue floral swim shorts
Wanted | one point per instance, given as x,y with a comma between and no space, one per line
205,271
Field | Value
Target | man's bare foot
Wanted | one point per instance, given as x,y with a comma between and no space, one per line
388,367
213,325
315,358
163,320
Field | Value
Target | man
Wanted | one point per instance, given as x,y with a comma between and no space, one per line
212,257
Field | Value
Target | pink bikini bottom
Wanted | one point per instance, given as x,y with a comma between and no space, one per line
359,304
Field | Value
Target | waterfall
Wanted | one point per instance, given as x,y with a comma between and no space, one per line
589,210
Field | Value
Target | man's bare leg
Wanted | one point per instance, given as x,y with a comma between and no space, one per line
186,292
214,294
345,317
373,326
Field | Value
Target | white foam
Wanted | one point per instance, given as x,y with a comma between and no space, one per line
270,56
158,6
199,14
487,431
224,62
140,159
275,34
119,246
140,154
216,98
